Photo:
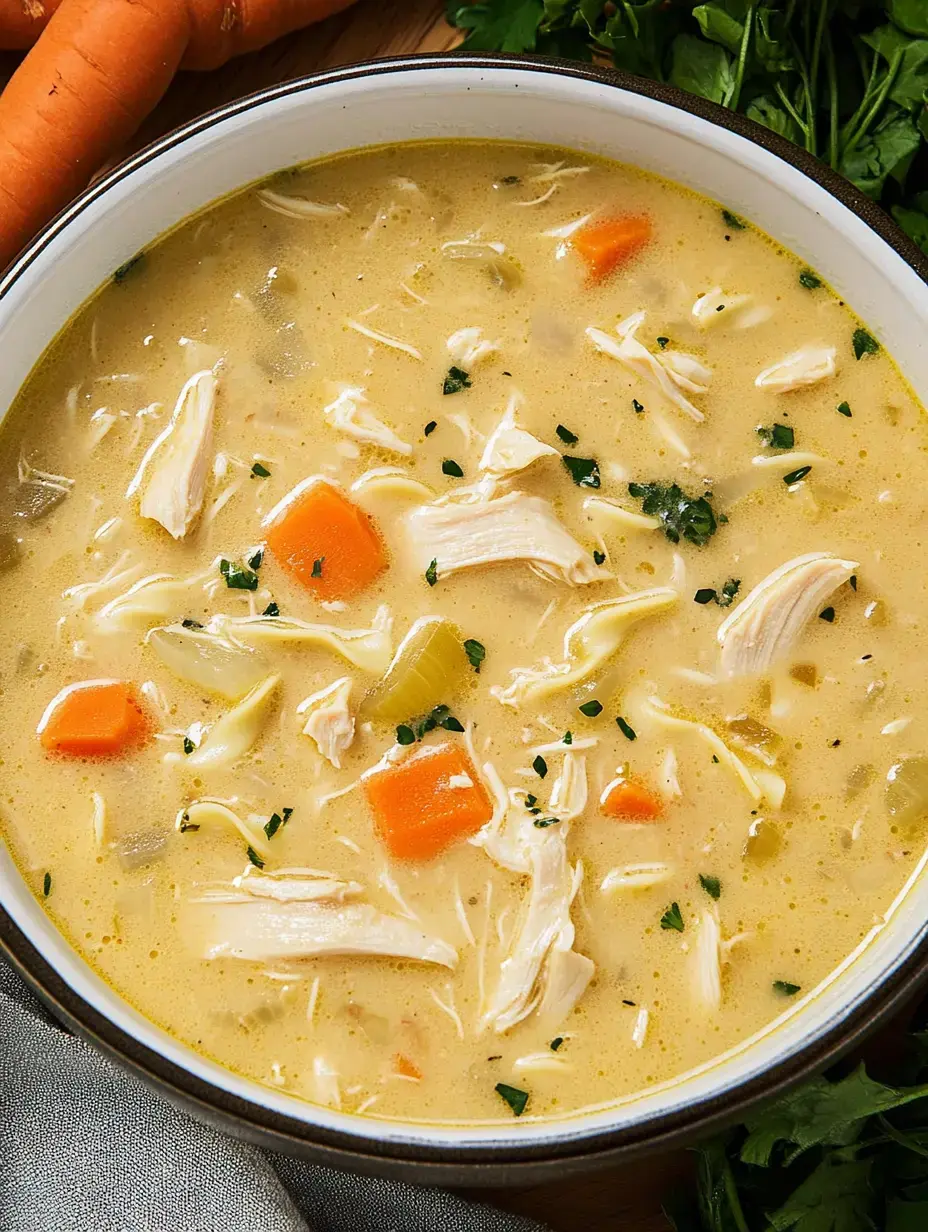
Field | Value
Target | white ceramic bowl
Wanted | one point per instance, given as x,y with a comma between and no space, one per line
786,193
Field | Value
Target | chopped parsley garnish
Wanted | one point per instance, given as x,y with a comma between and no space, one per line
568,437
317,567
796,475
626,729
705,595
540,766
556,1043
456,380
567,738
591,708
405,734
852,581
784,989
186,824
844,409
46,885
189,746
237,576
476,653
733,221
255,858
430,427
809,279
124,270
450,467
599,558
259,471
779,436
724,597
256,559
637,407
191,624
431,573
864,344
682,516
827,614
715,760
663,342
583,471
530,801
711,885
276,821
672,918
441,716
542,823
511,179
515,1098
272,609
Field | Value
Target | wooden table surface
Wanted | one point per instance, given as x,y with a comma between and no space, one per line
627,1198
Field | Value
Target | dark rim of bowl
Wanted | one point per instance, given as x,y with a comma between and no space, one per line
575,1149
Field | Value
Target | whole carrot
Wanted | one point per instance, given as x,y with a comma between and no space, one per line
96,69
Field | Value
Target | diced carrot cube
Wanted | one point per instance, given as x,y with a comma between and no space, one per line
327,543
427,802
609,242
408,1069
627,801
97,718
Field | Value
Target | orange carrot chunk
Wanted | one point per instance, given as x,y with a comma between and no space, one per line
609,242
328,544
628,801
408,1069
99,718
427,802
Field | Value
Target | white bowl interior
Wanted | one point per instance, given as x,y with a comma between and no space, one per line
400,104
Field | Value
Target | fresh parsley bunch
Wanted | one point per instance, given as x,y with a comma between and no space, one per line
845,79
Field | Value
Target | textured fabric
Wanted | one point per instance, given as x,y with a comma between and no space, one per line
86,1147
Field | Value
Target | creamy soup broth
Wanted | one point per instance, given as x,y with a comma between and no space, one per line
773,853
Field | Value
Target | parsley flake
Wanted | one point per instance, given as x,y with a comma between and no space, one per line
827,614
567,738
591,709
430,427
705,595
599,558
259,471
626,729
456,380
663,343
237,576
276,821
796,476
255,858
556,1043
681,516
540,766
779,436
450,467
809,279
515,1098
272,609
637,407
783,988
431,573
189,746
476,653
568,437
124,270
191,624
733,221
844,409
864,344
46,885
583,471
317,567
405,734
711,885
672,918
852,581
542,823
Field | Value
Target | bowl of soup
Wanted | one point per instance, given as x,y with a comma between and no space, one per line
463,616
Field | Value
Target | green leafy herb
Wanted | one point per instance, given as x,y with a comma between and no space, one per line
583,471
542,823
189,746
663,343
254,858
809,280
637,407
317,567
626,729
405,734
186,824
827,614
431,573
672,918
681,516
441,716
430,427
540,766
272,609
450,467
732,220
128,267
599,558
711,885
276,821
256,559
591,709
567,738
796,475
515,1098
456,380
237,576
556,1043
864,344
705,595
844,409
191,624
476,653
530,801
724,597
46,885
779,436
259,471
785,989
852,581
568,437
509,180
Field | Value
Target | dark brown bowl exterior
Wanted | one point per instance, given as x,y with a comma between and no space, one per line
578,1150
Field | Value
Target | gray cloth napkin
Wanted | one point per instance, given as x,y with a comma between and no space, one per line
86,1147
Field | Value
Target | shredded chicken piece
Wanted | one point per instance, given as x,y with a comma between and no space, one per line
640,1032
368,649
707,962
118,574
99,818
652,368
296,885
569,790
510,449
387,340
588,643
173,473
300,207
807,366
767,623
326,1089
349,413
468,347
514,527
329,720
714,307
238,729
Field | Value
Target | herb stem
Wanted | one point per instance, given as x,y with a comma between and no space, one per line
853,122
901,1139
814,63
734,1202
832,101
734,94
878,102
784,99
